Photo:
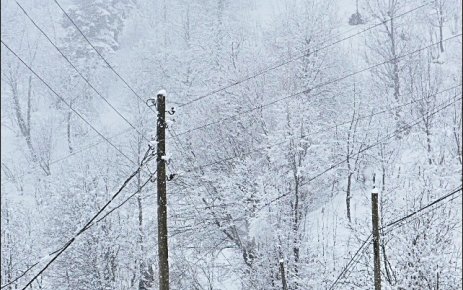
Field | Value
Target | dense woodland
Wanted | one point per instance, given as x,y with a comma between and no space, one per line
285,113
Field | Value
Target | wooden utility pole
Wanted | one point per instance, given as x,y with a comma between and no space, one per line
163,250
376,252
437,282
283,276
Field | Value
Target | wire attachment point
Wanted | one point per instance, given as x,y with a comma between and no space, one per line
151,103
172,111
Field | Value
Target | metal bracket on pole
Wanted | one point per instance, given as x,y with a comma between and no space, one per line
151,102
172,111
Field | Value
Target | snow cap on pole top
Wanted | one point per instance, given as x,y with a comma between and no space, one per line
375,190
162,93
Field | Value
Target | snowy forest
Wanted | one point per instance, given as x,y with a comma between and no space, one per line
283,118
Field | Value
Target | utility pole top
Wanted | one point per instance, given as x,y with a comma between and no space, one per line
162,93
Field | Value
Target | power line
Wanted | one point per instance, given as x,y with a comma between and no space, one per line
127,199
311,89
307,51
30,268
398,225
61,250
89,224
383,139
66,102
367,148
56,251
80,73
245,79
347,273
229,236
178,144
351,261
259,107
101,56
83,149
416,212
264,105
421,209
324,129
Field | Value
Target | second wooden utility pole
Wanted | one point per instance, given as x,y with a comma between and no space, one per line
163,250
283,276
376,252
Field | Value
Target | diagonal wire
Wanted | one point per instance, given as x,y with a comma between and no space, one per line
351,262
398,221
66,102
88,225
307,52
127,199
83,149
101,56
363,150
380,141
235,116
324,129
80,73
346,271
398,225
246,78
385,138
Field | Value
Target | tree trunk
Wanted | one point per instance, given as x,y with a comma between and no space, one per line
395,73
348,196
68,130
283,276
